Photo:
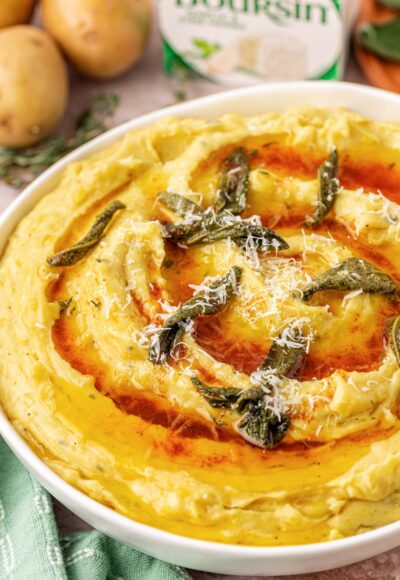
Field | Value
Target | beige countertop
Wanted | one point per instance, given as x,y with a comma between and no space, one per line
142,90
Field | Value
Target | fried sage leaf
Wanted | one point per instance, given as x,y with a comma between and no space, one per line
286,353
327,189
181,205
393,331
353,274
260,425
248,397
75,253
217,295
218,397
211,227
222,222
263,428
234,182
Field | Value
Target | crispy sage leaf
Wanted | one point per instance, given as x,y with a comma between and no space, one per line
221,222
247,397
242,233
354,274
393,329
286,353
75,253
211,227
259,425
382,38
218,397
181,205
234,182
327,188
263,428
218,294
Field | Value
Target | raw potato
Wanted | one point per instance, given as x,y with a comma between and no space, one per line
14,12
33,85
102,39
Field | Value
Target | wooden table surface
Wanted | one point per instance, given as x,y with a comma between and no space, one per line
144,89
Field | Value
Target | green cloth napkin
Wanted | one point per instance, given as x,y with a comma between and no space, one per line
31,547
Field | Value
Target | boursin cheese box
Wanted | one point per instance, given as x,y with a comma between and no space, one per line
239,42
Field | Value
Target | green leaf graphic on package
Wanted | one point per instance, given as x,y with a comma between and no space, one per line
206,49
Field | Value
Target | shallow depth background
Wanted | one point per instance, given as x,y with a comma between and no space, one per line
146,89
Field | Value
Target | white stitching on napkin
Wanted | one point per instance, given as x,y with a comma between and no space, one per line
43,506
7,553
79,555
54,555
42,503
183,574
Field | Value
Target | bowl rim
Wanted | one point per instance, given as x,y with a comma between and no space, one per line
49,478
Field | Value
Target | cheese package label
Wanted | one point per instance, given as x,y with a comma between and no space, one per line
239,42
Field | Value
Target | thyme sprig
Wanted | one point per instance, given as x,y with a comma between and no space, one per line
18,167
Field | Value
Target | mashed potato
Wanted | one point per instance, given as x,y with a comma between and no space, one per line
76,378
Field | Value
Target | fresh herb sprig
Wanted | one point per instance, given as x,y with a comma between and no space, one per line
18,167
383,39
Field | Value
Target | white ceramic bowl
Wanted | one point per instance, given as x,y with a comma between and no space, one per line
197,554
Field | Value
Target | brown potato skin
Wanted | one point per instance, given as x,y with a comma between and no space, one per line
14,12
33,85
101,39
